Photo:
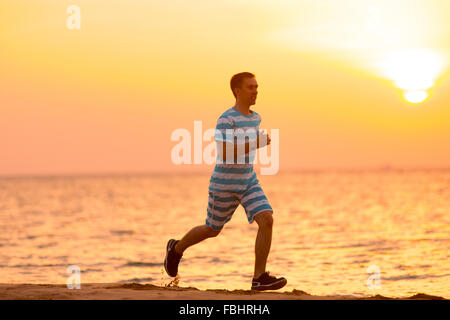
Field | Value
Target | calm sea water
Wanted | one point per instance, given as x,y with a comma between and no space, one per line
330,229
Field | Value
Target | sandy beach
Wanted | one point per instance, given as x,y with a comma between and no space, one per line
135,291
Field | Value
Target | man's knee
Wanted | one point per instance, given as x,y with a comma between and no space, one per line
264,219
212,232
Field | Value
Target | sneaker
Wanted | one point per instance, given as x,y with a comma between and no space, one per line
268,282
172,258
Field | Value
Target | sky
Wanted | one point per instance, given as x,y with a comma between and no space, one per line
348,84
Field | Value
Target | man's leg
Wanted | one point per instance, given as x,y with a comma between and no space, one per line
195,235
263,241
174,251
221,206
258,209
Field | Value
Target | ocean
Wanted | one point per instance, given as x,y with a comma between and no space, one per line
357,232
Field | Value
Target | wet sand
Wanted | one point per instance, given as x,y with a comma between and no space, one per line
135,291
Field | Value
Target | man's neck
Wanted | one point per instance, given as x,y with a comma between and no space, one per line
244,109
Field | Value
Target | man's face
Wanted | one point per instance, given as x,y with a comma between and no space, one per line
248,91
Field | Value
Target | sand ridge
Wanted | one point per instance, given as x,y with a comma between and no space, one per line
137,291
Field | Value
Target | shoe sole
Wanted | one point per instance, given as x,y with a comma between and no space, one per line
273,286
168,247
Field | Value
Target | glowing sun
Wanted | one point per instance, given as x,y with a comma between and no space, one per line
414,71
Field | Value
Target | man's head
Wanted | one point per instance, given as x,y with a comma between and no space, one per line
244,87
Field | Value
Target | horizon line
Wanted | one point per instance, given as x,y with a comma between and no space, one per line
204,171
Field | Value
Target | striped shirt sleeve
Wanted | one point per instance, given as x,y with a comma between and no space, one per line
224,130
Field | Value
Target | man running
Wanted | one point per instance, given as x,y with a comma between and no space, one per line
234,182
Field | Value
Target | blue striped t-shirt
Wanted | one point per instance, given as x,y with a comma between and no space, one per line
232,127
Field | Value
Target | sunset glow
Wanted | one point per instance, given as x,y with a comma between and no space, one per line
413,71
337,81
305,138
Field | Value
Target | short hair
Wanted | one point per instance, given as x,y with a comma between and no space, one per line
236,80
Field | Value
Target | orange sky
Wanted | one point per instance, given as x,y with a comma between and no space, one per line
105,98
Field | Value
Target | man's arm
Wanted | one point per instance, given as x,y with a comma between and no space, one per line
261,141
